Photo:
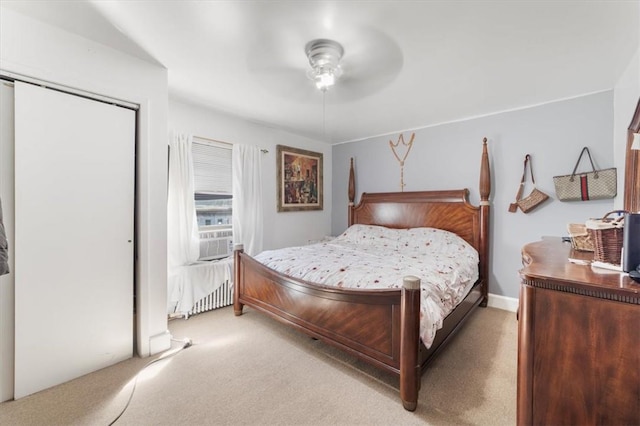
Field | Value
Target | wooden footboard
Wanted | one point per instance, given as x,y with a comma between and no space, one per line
378,326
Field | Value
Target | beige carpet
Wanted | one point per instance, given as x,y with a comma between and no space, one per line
253,370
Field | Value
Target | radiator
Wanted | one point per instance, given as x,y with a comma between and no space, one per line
223,296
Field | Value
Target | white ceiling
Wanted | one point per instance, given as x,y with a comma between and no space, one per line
407,64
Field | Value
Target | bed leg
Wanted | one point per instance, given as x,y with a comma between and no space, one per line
484,302
410,405
238,250
485,293
237,309
237,306
410,343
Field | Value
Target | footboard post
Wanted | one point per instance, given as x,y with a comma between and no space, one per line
410,342
237,279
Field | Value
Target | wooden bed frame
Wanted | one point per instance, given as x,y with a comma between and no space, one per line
378,326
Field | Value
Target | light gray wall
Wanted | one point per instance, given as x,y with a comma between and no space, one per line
281,229
448,157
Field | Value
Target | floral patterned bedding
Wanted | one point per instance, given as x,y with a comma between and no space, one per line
369,257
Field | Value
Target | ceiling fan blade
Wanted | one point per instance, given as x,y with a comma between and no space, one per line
371,62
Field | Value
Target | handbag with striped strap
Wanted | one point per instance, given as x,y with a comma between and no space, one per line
593,185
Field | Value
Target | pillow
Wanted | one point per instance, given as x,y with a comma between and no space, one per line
435,241
422,240
370,235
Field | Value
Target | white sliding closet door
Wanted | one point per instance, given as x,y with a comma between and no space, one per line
74,195
6,281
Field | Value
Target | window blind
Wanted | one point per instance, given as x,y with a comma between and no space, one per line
211,167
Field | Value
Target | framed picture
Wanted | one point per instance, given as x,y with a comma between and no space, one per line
299,179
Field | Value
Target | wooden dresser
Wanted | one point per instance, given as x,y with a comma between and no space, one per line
578,341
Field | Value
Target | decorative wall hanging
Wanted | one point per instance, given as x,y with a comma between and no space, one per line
404,157
299,179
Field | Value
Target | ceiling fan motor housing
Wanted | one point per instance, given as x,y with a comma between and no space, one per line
324,57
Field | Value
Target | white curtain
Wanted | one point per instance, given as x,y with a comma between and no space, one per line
182,224
247,198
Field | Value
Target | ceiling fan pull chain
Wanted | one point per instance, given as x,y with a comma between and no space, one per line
324,119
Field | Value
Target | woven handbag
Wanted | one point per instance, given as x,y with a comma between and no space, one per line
593,185
608,234
581,237
535,198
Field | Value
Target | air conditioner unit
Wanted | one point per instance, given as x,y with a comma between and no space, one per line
216,244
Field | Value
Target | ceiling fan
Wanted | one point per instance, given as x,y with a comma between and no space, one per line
350,65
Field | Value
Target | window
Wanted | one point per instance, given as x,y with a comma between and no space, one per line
213,197
213,210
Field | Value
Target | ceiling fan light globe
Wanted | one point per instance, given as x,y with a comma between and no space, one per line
325,80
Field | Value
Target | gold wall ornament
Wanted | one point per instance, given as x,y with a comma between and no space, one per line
404,157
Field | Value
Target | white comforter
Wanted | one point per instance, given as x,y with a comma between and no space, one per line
369,257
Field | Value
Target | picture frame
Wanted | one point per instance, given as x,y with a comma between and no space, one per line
300,183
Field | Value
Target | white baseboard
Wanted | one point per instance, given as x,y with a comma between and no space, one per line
159,343
503,302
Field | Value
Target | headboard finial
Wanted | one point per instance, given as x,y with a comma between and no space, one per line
352,183
485,174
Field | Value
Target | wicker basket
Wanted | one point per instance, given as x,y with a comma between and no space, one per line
607,238
581,237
